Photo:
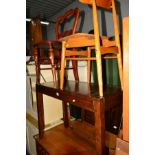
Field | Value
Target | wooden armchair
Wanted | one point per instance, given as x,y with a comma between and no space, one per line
92,42
53,47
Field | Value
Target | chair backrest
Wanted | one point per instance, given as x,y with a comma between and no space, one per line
74,14
35,31
109,5
101,3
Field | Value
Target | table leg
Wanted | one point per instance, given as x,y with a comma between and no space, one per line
40,109
65,114
99,126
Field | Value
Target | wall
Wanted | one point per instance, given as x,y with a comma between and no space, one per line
122,7
52,106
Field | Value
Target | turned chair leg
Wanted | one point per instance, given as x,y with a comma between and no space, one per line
52,64
35,51
37,73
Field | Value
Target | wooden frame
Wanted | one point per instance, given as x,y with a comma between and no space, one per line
38,44
92,103
92,41
126,79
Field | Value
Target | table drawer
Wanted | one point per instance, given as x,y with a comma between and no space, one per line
80,101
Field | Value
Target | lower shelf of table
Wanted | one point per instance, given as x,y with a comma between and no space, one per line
75,140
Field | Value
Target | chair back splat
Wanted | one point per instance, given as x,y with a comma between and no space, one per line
35,31
61,19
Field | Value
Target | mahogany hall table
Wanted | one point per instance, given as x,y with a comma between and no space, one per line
74,137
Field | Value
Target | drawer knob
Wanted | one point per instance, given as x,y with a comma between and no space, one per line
57,94
73,100
115,127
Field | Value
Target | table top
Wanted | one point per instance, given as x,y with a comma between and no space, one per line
81,88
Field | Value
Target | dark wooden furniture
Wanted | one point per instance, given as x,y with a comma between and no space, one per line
49,51
76,137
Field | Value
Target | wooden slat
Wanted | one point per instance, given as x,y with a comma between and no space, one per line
110,57
108,43
109,50
92,58
76,53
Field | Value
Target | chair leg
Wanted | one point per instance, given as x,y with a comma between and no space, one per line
88,80
53,65
35,52
75,70
120,68
38,73
99,72
62,65
59,58
116,31
88,66
97,47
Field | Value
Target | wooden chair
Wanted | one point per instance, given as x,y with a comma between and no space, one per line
53,46
92,42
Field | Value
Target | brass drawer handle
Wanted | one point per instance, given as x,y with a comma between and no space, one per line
73,100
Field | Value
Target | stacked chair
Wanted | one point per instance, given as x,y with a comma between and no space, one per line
90,41
52,47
